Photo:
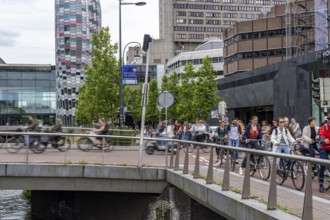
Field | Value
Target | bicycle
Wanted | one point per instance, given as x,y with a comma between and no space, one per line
87,143
16,143
293,169
259,162
60,143
223,154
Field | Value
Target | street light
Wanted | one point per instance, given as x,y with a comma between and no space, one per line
121,107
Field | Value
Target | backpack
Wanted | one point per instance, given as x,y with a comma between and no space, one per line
276,132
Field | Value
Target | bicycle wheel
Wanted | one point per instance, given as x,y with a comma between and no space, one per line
326,181
241,156
85,144
281,173
64,144
206,149
253,166
108,145
297,175
264,167
37,147
190,148
14,144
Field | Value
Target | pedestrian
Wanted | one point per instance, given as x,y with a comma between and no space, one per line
176,127
252,137
324,150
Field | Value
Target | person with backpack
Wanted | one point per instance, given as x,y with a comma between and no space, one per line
281,139
252,137
324,150
234,134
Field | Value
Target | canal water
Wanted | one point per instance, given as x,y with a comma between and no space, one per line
13,206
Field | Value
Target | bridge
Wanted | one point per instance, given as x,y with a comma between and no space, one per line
191,173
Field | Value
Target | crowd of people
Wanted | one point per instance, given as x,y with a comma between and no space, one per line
282,133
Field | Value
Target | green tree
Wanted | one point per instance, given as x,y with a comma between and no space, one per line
171,84
132,99
99,95
152,110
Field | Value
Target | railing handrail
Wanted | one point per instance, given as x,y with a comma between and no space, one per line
252,151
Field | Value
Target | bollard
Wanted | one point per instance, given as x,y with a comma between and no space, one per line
186,160
209,179
27,152
272,194
103,144
177,158
196,171
226,181
246,183
172,156
308,200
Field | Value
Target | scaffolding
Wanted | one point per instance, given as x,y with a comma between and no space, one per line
300,28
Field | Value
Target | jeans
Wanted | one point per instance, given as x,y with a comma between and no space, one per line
312,148
234,143
282,148
162,143
324,154
184,136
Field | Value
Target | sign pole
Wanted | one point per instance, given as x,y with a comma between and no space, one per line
166,145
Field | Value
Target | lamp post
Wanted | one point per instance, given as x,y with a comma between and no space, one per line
121,107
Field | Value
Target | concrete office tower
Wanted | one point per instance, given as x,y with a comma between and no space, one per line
184,24
75,23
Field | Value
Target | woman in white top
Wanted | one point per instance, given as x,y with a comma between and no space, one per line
309,135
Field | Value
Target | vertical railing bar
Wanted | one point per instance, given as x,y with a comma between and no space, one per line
308,199
172,155
177,158
186,160
226,180
196,170
246,183
209,179
272,194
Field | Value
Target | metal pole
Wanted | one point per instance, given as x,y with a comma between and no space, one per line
144,104
166,149
121,74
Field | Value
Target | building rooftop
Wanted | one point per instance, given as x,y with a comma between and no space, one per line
1,61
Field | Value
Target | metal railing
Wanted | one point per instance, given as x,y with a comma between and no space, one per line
175,165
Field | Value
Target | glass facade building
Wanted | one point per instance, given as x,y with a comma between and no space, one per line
25,90
75,23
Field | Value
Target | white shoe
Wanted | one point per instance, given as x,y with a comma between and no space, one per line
217,164
240,171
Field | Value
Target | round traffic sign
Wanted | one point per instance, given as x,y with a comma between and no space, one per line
166,99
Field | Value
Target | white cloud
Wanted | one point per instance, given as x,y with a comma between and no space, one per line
27,27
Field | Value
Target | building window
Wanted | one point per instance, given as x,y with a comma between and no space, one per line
181,21
181,13
196,21
181,36
196,14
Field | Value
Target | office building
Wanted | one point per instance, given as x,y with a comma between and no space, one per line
75,23
184,24
27,89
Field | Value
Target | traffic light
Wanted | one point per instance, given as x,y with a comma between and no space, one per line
146,40
316,88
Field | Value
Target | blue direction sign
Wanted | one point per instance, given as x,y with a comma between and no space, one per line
129,75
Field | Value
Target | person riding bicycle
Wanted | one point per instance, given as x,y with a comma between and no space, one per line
201,131
281,139
33,127
57,128
234,134
103,130
252,137
324,149
220,133
309,135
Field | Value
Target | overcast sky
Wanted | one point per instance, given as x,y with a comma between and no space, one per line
27,27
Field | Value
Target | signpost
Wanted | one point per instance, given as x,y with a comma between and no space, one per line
129,75
166,99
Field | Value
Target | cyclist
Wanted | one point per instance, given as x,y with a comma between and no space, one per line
34,127
102,130
309,135
252,136
281,139
201,131
286,125
185,131
176,127
324,150
234,134
295,127
56,129
220,132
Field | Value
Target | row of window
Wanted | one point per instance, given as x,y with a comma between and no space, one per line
255,54
218,7
199,29
254,35
197,21
213,15
184,36
194,61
